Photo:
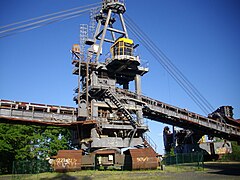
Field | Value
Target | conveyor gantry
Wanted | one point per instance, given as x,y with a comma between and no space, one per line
32,113
165,113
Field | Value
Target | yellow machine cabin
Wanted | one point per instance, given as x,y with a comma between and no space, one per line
122,46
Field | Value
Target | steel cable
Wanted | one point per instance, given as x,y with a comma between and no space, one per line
179,81
37,26
156,56
188,87
43,22
40,17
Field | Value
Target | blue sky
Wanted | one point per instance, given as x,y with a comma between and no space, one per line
201,37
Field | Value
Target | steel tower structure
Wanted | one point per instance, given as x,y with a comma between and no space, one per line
110,120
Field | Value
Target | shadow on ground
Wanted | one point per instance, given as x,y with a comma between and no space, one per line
224,168
65,176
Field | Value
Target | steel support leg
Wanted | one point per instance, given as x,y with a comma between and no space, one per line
123,25
103,34
138,91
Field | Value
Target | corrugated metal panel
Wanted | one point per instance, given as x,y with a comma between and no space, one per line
143,158
68,160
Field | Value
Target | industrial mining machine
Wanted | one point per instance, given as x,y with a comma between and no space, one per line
108,123
115,120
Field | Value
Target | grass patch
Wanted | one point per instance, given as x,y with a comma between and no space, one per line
108,175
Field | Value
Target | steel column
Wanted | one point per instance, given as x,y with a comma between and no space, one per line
123,25
103,35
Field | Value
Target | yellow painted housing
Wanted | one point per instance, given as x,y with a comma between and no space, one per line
126,40
123,46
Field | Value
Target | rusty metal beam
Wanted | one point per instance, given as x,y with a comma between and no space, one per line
11,120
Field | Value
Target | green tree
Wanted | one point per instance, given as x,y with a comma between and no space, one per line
27,142
235,155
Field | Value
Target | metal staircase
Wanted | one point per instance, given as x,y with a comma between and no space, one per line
121,108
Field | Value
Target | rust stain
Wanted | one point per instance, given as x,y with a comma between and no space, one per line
41,122
144,158
67,160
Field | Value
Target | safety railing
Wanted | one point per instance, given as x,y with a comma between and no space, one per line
185,159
